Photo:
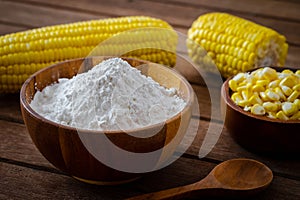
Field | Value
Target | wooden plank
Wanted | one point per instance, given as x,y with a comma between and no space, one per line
18,146
21,182
36,16
185,15
226,148
10,107
25,183
287,10
9,28
293,59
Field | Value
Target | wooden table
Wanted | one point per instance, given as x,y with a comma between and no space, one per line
26,174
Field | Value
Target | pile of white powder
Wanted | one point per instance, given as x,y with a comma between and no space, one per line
111,96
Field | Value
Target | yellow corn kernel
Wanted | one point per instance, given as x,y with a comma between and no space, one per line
246,94
295,116
271,115
269,73
258,110
297,72
241,88
297,87
293,96
262,82
280,93
258,88
286,90
239,77
297,102
281,115
263,96
257,73
288,81
274,84
271,107
236,97
243,103
289,108
233,85
247,108
287,71
255,99
272,95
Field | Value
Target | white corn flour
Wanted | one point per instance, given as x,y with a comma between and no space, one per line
111,96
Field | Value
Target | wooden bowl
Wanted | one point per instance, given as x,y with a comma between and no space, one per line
62,146
259,133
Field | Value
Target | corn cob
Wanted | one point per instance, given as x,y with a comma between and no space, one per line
23,53
233,44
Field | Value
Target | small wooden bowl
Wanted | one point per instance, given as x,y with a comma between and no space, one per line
259,133
61,145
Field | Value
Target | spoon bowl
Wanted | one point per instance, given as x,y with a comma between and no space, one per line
243,174
235,177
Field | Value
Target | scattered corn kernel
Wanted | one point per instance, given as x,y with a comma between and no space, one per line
286,90
297,102
274,84
271,107
258,110
295,116
271,115
297,87
233,85
262,82
289,108
258,88
288,81
281,115
293,96
280,93
243,103
236,97
269,73
254,99
270,93
286,71
247,108
239,77
263,96
246,94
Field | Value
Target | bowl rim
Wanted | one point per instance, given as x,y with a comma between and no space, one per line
229,102
25,104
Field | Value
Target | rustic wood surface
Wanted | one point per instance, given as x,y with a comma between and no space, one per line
26,174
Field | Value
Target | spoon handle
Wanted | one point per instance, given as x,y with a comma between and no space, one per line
173,193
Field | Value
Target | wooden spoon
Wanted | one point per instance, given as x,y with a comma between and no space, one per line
236,177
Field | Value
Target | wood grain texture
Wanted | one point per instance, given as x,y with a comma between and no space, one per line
285,10
19,147
20,182
185,14
26,174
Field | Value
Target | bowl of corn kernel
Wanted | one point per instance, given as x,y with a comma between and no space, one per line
262,109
